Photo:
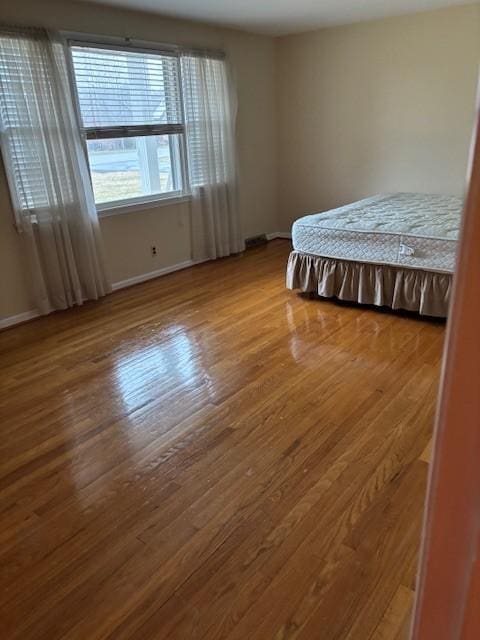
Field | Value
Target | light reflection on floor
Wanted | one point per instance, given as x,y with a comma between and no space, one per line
155,364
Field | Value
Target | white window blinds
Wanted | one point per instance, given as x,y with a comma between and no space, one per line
127,93
29,90
208,119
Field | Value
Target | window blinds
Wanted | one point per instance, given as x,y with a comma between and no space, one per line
125,93
29,88
207,118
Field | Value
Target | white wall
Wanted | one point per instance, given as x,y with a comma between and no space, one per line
128,238
386,105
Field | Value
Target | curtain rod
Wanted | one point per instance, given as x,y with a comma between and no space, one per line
127,41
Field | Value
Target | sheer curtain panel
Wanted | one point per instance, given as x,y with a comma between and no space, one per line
210,110
47,171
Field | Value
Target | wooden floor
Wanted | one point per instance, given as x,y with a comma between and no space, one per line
208,455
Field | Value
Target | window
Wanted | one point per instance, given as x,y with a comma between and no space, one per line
131,112
205,93
25,80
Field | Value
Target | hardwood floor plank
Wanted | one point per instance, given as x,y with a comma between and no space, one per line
208,455
395,622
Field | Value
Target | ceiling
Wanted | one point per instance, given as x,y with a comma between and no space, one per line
279,17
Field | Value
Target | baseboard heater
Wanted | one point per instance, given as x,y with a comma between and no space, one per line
255,241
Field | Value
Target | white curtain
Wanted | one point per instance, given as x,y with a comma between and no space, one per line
210,112
47,171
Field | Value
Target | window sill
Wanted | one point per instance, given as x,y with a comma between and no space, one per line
106,212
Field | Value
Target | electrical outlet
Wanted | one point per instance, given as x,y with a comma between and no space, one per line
153,249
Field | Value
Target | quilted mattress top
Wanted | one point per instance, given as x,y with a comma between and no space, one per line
409,229
419,214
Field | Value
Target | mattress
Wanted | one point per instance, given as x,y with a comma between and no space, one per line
413,230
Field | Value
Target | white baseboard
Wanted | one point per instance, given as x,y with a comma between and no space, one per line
152,274
279,234
29,315
121,284
17,319
177,267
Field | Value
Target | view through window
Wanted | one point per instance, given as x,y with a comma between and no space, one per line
123,168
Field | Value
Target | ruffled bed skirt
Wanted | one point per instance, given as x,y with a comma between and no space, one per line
425,292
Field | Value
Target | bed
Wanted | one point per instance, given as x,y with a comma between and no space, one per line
396,250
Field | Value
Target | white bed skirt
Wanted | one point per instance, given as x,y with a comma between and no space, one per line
425,292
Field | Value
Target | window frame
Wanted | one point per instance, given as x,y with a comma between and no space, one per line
136,203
